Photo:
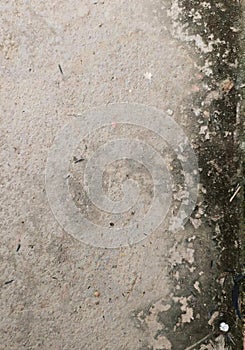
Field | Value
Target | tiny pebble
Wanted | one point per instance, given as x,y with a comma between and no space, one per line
96,293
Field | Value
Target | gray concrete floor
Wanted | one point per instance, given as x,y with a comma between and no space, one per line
58,289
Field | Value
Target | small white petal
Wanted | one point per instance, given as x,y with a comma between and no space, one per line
224,327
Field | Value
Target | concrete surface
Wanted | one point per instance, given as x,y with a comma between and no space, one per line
172,289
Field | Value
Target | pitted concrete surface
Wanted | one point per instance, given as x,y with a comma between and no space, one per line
172,290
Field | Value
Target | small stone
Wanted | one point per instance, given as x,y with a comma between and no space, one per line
96,293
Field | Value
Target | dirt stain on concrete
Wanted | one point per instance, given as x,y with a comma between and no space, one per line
213,29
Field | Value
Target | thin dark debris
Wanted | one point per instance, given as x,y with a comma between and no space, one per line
236,294
61,71
18,247
8,282
78,160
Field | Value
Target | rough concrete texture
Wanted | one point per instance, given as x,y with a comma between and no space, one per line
169,291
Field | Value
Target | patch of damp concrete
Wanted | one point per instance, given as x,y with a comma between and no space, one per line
212,29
